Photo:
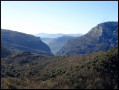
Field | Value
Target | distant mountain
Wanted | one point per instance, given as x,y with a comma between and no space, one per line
102,37
24,42
46,35
56,43
47,40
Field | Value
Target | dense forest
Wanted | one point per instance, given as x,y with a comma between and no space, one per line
24,70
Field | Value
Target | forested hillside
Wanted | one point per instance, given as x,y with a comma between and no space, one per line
102,37
6,52
24,42
25,70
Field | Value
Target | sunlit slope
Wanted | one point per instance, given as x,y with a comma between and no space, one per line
102,37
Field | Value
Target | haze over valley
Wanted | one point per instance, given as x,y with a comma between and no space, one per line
59,45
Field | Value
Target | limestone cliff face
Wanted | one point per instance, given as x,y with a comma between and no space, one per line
102,37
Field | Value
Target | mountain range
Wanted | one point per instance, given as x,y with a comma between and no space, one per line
47,35
89,61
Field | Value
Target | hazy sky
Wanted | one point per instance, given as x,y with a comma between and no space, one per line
56,16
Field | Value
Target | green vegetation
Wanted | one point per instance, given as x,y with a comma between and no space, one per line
5,51
24,70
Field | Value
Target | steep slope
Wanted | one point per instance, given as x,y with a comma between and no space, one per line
5,52
56,43
102,37
25,42
92,71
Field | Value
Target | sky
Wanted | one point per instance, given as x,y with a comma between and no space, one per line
68,17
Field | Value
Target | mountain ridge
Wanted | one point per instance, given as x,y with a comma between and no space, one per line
101,37
21,41
47,35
